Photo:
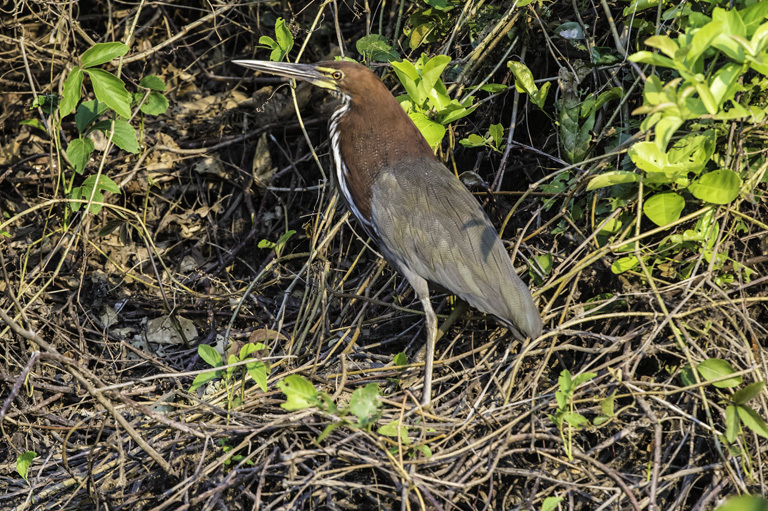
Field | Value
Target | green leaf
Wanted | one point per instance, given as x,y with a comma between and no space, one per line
70,92
250,348
692,152
747,393
664,208
473,140
93,186
496,131
276,55
400,359
155,104
615,177
551,503
610,94
35,123
152,82
284,238
523,77
106,184
701,41
454,111
714,368
76,194
23,462
725,83
610,226
46,102
576,420
665,129
570,30
744,502
687,376
284,36
210,355
267,244
79,152
731,424
394,429
110,90
562,401
431,130
653,59
125,136
87,112
582,378
752,420
101,53
718,187
203,378
667,46
299,393
364,402
539,97
623,264
284,43
494,88
430,74
540,266
408,75
258,372
607,404
375,47
753,16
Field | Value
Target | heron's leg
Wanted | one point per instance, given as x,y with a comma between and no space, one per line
422,291
431,320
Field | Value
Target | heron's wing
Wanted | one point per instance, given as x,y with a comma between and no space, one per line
429,223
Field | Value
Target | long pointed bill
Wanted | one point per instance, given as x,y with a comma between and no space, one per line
306,72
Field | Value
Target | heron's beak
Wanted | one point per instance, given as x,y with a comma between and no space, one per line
311,73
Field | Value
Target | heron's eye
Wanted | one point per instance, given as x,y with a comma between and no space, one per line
336,75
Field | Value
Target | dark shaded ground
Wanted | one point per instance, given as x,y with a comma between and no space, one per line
95,375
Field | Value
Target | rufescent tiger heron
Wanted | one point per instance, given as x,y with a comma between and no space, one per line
426,223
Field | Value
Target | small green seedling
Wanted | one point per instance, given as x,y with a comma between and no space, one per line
258,370
282,46
494,140
566,417
23,462
278,246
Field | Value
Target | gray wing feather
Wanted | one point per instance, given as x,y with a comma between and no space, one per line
430,224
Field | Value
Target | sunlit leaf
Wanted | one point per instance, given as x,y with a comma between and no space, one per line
623,264
664,208
615,177
748,393
365,402
210,355
715,368
23,462
718,187
79,152
70,92
125,136
110,90
752,420
153,82
101,53
299,393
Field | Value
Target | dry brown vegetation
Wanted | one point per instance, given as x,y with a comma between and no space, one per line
95,374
